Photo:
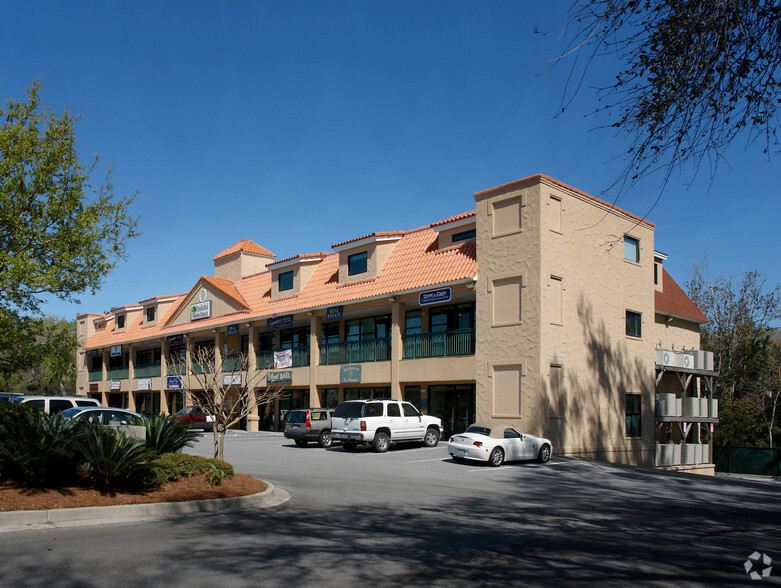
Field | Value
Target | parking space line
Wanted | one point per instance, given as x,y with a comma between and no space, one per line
422,460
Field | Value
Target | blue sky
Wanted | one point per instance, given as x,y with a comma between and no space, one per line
303,124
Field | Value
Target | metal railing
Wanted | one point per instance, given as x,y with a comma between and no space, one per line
300,358
118,373
147,370
442,344
356,351
232,364
95,375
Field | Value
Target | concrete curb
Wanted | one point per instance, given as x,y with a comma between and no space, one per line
101,515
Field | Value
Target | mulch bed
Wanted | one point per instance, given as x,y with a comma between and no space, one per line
14,497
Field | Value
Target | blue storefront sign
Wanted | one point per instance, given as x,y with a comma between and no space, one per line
280,322
173,383
232,330
175,339
435,296
333,313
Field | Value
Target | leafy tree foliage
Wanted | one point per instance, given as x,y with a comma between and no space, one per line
696,75
59,235
740,312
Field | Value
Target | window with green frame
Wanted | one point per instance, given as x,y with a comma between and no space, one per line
634,324
463,236
372,327
330,333
633,415
357,263
285,281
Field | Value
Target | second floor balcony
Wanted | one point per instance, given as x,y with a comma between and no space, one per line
147,370
118,373
441,344
356,351
300,358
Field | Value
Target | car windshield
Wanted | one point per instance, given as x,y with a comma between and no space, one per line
296,416
184,411
479,430
349,410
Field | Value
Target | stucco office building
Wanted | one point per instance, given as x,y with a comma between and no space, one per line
542,309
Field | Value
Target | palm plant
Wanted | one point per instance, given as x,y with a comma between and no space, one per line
37,449
114,460
166,435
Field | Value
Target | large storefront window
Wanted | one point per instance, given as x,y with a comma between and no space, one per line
329,397
454,404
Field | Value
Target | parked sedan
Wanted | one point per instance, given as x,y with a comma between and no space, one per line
104,416
196,417
497,444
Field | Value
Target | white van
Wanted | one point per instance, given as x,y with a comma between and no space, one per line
55,404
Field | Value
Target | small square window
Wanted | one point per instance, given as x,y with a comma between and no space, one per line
634,324
357,264
285,281
121,321
150,314
631,249
633,415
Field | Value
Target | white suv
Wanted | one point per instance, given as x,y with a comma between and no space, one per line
382,422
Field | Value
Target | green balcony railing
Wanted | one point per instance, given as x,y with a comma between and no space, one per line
147,370
232,364
356,351
442,344
118,373
95,375
300,358
175,368
203,368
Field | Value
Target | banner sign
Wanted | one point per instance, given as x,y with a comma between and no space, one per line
116,351
280,322
231,380
173,383
145,383
350,374
333,313
175,339
283,359
201,310
279,377
435,296
232,330
114,385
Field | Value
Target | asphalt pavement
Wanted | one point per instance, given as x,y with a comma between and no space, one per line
413,517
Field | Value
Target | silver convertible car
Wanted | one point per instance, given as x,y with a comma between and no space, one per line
497,444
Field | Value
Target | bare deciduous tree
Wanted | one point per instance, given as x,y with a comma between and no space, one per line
229,392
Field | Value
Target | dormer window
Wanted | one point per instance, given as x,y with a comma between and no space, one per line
357,263
464,235
121,321
285,281
150,314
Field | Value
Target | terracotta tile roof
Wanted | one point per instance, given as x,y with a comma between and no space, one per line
379,234
134,330
246,246
301,256
537,177
674,301
414,264
458,217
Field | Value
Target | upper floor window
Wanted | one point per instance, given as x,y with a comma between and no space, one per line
357,263
285,281
150,314
464,236
633,324
631,249
121,321
633,415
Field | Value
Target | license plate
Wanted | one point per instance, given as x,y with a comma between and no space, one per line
460,452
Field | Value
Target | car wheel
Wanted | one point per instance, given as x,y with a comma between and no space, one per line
432,438
301,442
325,440
349,446
381,442
496,458
544,454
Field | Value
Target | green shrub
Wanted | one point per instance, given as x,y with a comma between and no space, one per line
165,435
172,466
37,449
115,461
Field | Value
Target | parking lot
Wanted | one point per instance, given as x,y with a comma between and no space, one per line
412,516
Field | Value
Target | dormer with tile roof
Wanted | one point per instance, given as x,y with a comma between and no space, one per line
210,297
243,259
363,258
124,316
456,230
290,276
153,309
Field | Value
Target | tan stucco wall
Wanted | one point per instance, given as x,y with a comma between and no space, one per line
239,265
